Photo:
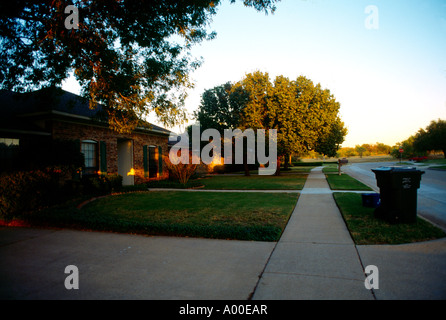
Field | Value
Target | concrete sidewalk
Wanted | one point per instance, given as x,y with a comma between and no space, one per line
315,257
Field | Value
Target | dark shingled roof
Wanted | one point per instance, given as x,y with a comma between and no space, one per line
47,100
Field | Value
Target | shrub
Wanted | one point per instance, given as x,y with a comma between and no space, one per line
181,171
101,184
22,192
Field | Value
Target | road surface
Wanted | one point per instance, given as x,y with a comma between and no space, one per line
431,195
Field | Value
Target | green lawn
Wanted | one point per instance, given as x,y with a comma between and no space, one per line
435,161
283,182
330,168
229,215
345,182
299,169
366,229
439,167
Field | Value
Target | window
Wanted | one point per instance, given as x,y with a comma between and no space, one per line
90,150
9,142
9,153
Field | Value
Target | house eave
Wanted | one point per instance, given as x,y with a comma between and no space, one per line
89,121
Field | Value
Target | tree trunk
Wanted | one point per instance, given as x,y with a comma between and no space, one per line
287,162
245,160
278,166
246,167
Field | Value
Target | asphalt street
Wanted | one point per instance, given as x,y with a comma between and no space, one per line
431,194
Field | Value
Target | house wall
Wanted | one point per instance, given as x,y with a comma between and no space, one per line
75,131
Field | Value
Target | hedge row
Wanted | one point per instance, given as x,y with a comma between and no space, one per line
25,192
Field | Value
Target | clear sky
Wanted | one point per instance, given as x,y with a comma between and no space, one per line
388,73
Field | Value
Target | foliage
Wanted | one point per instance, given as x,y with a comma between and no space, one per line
131,56
101,184
330,143
218,109
221,108
180,171
360,150
432,138
301,112
407,146
368,150
22,192
304,115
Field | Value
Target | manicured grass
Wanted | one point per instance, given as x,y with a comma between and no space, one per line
438,167
435,161
229,215
330,168
282,182
366,229
345,182
291,169
300,169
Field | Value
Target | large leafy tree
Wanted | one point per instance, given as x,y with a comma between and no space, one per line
221,108
432,138
330,143
300,111
133,56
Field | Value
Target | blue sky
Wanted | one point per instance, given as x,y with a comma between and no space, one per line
390,81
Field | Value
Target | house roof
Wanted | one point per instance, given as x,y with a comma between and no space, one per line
53,101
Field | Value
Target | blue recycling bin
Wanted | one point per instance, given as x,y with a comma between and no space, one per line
371,200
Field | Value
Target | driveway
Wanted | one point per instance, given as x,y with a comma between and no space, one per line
124,266
431,195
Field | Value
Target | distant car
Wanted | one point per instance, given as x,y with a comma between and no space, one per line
418,159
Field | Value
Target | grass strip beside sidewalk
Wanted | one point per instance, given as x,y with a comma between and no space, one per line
368,230
345,182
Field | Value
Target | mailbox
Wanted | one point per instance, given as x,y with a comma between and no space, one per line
341,162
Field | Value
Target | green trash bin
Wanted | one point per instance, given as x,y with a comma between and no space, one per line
398,192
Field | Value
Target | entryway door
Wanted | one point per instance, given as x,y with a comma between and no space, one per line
125,162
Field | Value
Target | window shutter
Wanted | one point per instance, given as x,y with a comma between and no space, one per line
103,156
145,161
160,161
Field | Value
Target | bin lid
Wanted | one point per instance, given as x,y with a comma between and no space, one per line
397,169
382,169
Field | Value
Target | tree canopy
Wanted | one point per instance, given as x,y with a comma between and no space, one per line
304,115
432,138
132,56
330,143
219,108
301,111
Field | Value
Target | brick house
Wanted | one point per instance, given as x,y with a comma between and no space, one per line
54,114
